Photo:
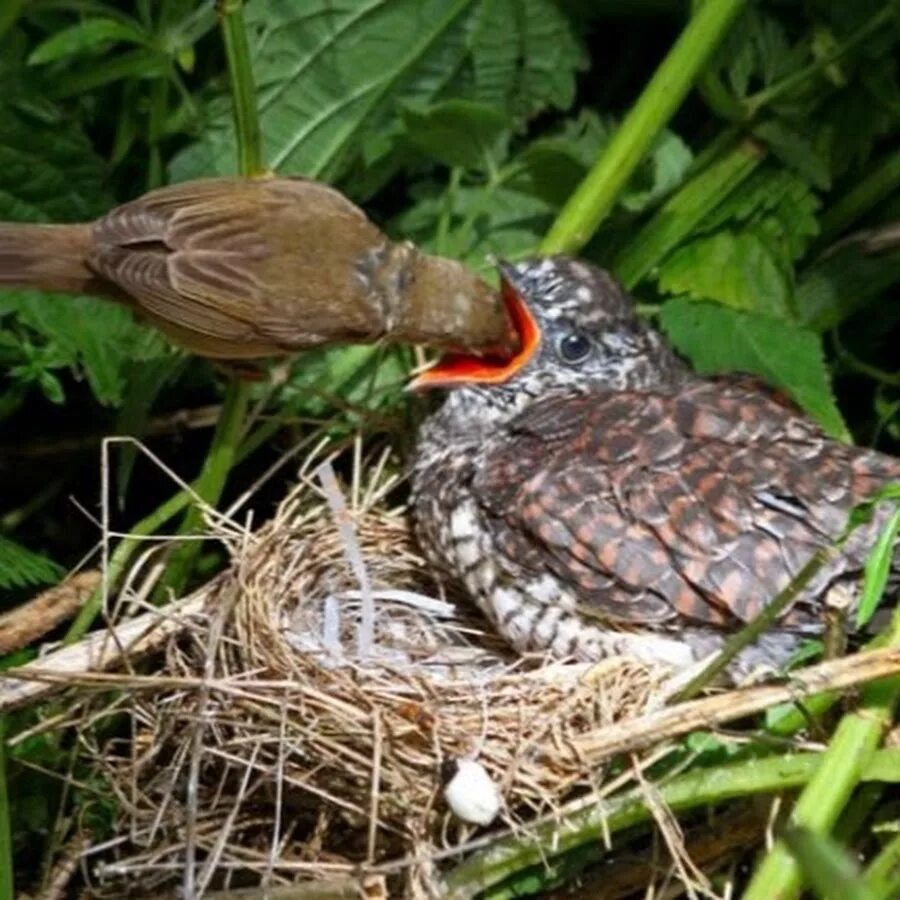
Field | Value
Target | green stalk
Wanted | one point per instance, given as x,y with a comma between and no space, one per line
243,90
854,743
869,192
595,196
7,889
883,874
211,480
695,789
682,212
228,431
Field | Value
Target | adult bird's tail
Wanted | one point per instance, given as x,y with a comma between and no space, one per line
46,257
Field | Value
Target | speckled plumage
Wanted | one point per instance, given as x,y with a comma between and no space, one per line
623,504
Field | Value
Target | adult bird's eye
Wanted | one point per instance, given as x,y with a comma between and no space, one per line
574,347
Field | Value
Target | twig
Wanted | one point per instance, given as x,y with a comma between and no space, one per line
27,623
137,637
834,675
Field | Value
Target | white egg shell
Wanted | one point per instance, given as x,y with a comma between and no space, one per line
471,794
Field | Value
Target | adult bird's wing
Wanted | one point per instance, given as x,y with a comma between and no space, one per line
702,503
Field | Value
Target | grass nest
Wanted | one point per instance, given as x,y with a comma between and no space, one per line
299,720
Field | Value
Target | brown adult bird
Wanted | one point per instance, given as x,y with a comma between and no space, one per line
597,498
241,268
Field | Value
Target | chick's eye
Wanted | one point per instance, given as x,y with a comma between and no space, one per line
574,347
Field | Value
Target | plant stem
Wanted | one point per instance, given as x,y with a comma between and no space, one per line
869,192
212,478
698,788
243,90
7,888
854,743
223,447
595,196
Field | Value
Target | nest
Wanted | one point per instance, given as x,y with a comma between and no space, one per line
298,718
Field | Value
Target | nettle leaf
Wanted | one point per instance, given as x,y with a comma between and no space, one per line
479,222
737,269
756,51
717,339
333,79
21,567
551,167
525,54
458,132
93,336
778,203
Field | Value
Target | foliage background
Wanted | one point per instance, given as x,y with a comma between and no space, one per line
464,125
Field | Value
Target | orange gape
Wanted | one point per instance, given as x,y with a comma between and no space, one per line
239,268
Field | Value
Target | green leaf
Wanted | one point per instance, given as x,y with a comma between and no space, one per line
87,37
457,132
661,172
718,339
333,79
777,203
551,166
525,54
878,569
481,222
737,269
95,336
21,567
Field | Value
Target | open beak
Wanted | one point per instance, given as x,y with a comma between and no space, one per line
457,369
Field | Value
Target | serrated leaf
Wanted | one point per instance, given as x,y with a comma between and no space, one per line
332,79
85,37
326,75
777,203
95,336
551,167
661,171
525,54
20,567
457,132
737,269
498,222
718,339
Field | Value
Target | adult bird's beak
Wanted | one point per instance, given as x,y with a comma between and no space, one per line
457,369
